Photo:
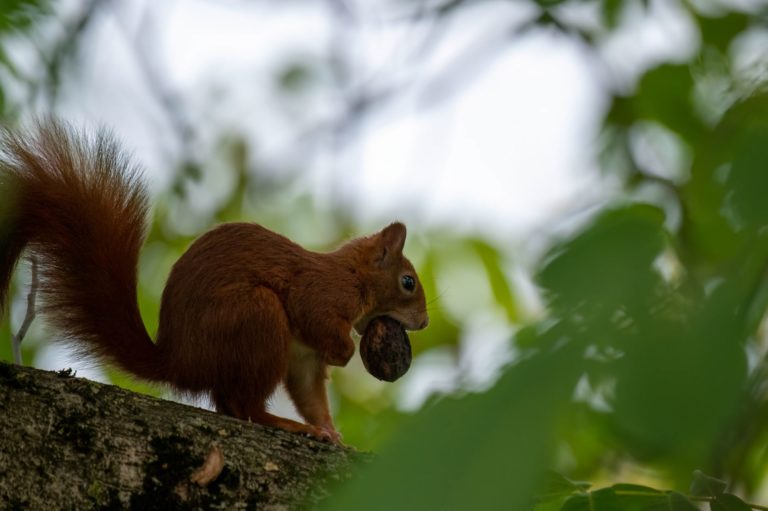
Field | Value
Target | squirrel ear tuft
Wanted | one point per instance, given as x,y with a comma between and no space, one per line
393,237
391,241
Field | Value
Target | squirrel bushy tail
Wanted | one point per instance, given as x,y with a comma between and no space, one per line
78,205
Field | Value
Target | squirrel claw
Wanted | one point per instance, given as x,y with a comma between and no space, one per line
325,434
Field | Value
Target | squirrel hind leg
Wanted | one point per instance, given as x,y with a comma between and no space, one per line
251,355
253,358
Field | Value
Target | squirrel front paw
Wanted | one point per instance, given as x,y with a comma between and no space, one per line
340,353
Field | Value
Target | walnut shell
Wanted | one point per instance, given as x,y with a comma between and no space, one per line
385,349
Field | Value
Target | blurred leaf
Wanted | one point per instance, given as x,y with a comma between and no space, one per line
122,379
583,502
729,502
598,500
6,351
747,180
629,497
667,402
527,337
612,9
295,77
679,502
551,505
502,292
706,486
366,427
549,3
556,485
621,113
585,433
8,64
21,14
608,265
720,31
471,453
232,208
664,94
722,198
188,171
626,488
442,331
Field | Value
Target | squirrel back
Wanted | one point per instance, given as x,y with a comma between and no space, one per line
79,205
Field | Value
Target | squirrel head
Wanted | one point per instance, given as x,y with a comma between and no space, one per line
391,282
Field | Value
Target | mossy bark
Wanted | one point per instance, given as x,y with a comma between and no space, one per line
70,443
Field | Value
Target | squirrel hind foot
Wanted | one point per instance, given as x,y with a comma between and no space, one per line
326,434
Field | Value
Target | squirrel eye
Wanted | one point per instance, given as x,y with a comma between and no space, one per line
408,282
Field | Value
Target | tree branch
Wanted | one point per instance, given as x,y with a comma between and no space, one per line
85,445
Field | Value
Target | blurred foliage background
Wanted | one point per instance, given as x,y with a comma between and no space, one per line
633,327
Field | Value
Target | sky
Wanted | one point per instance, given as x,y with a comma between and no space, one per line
500,152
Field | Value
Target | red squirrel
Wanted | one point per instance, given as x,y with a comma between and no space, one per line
243,309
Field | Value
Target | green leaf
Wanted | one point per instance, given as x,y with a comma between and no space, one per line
629,497
473,452
635,488
722,199
366,425
502,292
758,306
635,497
527,337
21,14
720,31
598,500
443,330
706,486
580,502
549,3
6,352
295,77
551,505
729,502
745,205
611,11
608,265
664,95
667,405
679,502
622,113
556,485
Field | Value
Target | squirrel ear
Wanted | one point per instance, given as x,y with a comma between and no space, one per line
391,241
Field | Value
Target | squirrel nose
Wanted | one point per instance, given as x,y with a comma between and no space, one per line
424,323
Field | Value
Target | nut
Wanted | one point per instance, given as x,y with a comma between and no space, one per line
385,349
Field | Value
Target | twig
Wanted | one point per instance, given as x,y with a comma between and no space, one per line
708,498
28,317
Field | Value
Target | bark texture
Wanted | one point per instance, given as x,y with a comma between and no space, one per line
70,443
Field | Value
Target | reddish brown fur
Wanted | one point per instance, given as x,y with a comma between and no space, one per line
244,308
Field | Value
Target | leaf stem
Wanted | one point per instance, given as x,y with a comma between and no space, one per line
630,493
